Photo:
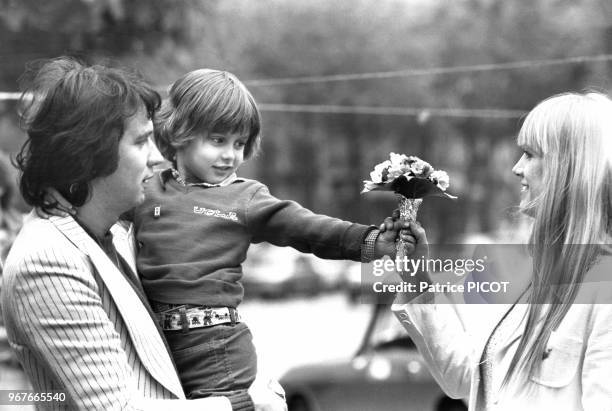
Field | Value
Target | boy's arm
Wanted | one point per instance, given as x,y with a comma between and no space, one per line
286,223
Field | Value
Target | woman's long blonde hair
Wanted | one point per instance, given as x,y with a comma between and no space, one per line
573,134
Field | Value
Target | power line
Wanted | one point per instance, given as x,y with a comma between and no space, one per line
428,71
7,95
422,112
394,111
401,111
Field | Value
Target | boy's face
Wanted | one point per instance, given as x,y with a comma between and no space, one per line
211,158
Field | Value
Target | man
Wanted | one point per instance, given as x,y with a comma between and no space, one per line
74,309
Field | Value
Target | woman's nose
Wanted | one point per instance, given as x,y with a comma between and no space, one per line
518,167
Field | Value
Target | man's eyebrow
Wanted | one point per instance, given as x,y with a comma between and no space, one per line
146,134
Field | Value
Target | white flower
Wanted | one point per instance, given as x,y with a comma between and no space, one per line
396,170
418,167
441,179
368,186
399,165
398,159
377,175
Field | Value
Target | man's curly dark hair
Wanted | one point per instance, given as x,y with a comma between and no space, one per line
74,116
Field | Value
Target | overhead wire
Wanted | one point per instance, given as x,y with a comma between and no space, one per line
394,111
401,111
430,71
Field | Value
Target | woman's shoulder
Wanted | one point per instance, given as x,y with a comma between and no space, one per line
596,287
601,269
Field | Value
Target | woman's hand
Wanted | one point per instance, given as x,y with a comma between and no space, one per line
58,206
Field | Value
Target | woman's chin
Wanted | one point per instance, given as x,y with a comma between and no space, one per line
528,208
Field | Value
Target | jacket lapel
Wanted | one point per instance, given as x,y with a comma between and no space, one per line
142,330
124,242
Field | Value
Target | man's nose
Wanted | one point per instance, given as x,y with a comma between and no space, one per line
155,157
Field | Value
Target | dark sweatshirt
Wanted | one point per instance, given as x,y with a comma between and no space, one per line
193,239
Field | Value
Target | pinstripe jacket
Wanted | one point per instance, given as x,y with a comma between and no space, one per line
78,327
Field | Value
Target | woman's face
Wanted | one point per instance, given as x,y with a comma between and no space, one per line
529,169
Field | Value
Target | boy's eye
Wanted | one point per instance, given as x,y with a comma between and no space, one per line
240,144
217,139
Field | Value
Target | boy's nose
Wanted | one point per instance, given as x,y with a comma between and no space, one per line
228,153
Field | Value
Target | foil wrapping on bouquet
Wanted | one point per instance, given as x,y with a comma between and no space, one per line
408,208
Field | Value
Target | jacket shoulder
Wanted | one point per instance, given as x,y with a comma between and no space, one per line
36,235
41,247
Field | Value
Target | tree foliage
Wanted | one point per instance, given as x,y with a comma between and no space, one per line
320,159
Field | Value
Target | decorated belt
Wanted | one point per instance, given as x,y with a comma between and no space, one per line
184,318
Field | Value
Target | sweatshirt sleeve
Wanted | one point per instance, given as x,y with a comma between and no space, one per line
286,223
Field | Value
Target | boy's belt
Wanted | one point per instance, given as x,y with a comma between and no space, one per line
184,317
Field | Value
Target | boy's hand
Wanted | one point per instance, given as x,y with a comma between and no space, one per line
392,228
417,232
268,396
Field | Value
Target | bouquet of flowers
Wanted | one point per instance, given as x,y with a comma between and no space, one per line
411,179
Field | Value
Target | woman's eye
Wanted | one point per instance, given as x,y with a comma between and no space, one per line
240,144
527,154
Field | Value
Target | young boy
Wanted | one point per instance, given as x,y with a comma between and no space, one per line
199,219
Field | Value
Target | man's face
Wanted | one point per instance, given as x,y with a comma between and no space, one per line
124,188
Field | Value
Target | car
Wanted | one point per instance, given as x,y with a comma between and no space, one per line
387,373
280,272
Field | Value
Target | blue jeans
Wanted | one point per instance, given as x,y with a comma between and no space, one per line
213,361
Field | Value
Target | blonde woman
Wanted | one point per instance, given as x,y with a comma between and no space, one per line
553,349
